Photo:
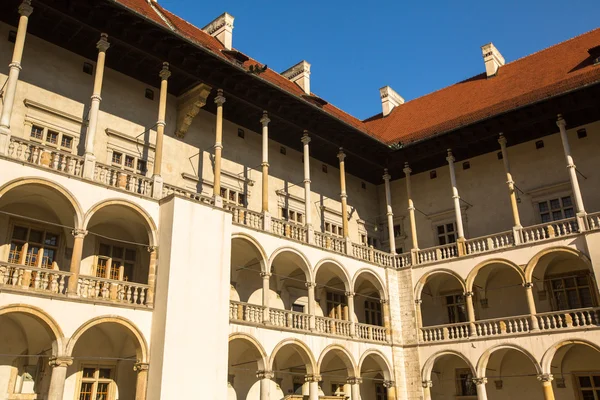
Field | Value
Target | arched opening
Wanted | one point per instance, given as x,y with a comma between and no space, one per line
37,220
26,344
562,279
291,362
511,374
498,291
368,293
246,359
332,288
443,300
336,368
575,367
247,263
287,284
451,376
376,377
104,353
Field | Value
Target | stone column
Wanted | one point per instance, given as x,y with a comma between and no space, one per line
265,161
351,317
311,304
79,235
151,276
510,183
385,306
313,386
391,389
307,202
480,386
419,318
157,180
460,241
389,213
354,388
25,11
531,304
265,383
572,169
546,380
219,101
265,296
59,375
343,196
411,209
89,164
427,389
471,312
142,380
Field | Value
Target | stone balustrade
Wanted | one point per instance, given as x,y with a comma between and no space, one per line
498,326
45,156
243,216
332,326
191,194
593,221
38,279
551,230
246,312
114,290
123,179
289,230
489,243
289,319
569,319
437,253
371,332
330,242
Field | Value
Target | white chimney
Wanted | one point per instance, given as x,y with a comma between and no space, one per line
221,29
300,75
492,58
389,100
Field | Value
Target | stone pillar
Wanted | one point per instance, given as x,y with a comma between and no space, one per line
307,202
265,296
313,386
572,170
151,276
419,318
265,162
351,316
391,389
79,235
265,383
531,304
471,312
311,304
411,209
344,197
89,164
25,11
354,388
59,375
427,389
157,180
480,386
460,241
389,213
546,380
219,101
142,380
510,183
385,306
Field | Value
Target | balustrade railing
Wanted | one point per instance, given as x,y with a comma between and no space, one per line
569,318
332,326
593,220
330,242
107,289
540,232
246,312
123,179
45,156
289,319
191,194
489,243
40,279
289,229
243,216
403,260
445,332
438,253
371,332
499,326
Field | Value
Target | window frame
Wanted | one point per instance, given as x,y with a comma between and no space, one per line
239,197
45,131
455,306
560,197
459,388
335,303
446,234
135,168
39,261
373,315
571,274
292,215
96,380
577,386
108,267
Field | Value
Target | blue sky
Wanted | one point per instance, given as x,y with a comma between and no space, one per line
356,47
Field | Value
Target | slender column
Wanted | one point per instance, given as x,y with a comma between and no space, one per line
419,318
157,184
480,386
265,383
265,296
389,212
510,183
265,161
25,11
307,202
79,235
59,375
570,166
531,304
546,380
313,386
391,389
427,389
455,196
89,164
354,388
470,312
142,380
219,101
351,316
411,209
151,276
311,304
344,197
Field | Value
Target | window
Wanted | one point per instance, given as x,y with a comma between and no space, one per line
456,308
232,196
66,142
446,233
88,68
96,383
37,132
397,230
432,174
335,305
41,247
380,392
129,162
371,241
466,165
337,390
399,250
499,155
334,229
588,386
539,144
241,133
53,137
141,167
149,94
283,150
292,216
363,185
324,168
115,262
373,313
571,291
581,133
556,209
117,158
297,308
464,382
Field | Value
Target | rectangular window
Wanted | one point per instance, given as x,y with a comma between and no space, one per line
66,142
397,230
52,137
298,308
292,216
556,209
37,132
333,229
373,313
141,167
588,386
446,233
456,308
96,383
111,260
464,382
42,247
572,291
335,305
129,162
117,158
380,392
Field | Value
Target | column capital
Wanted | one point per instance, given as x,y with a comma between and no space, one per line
79,233
263,374
305,138
151,249
312,378
427,384
103,43
350,294
388,384
418,301
560,121
265,119
502,139
480,381
386,175
25,9
468,294
310,284
164,72
60,361
264,274
354,380
139,367
450,157
407,170
528,285
383,301
341,155
545,377
220,99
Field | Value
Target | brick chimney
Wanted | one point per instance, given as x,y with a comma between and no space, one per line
221,29
389,100
492,58
300,75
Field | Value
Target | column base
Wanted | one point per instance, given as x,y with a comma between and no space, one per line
582,221
266,221
89,166
310,234
218,201
4,139
157,187
348,246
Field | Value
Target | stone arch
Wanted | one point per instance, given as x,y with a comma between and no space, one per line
305,353
485,357
531,265
551,352
473,274
305,263
250,239
141,344
344,272
428,366
78,218
48,323
374,278
348,360
263,362
423,280
381,360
